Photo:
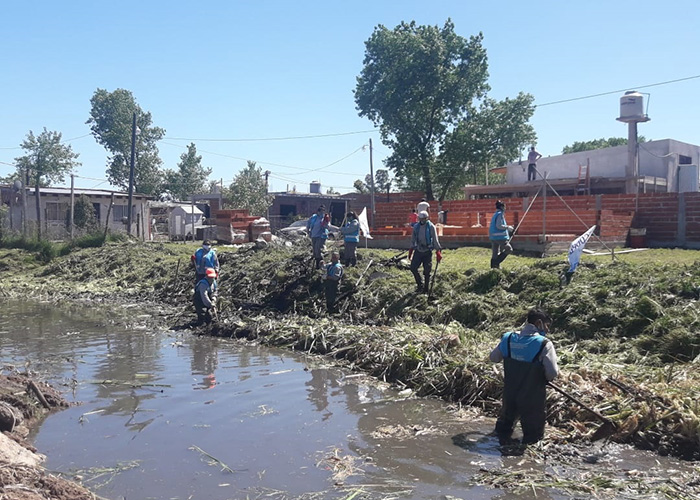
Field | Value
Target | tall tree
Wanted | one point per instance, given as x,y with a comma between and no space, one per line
111,124
249,190
360,186
601,143
416,83
419,85
492,136
382,181
190,177
47,161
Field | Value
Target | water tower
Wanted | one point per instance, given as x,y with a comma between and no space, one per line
632,112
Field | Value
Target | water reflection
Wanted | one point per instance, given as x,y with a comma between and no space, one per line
272,416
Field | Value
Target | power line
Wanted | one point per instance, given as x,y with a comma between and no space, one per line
273,138
617,91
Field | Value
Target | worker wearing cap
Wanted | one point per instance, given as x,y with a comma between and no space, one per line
204,258
317,226
423,242
205,297
332,277
499,235
529,361
351,237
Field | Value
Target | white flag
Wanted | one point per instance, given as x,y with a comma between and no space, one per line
362,219
576,248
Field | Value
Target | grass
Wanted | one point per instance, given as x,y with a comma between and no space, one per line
634,320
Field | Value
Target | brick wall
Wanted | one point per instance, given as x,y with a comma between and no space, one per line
660,213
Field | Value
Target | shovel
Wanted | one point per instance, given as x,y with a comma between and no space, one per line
606,430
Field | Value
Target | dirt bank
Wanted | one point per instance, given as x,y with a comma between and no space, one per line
626,330
23,402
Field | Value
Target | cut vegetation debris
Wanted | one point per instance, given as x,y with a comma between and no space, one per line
627,331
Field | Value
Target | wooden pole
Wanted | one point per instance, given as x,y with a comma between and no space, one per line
109,211
72,205
371,185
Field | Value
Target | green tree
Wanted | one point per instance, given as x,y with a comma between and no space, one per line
601,143
416,83
360,186
84,217
47,161
382,181
190,176
249,190
493,136
419,84
111,124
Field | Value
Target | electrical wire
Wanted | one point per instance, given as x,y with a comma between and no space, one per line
273,138
616,91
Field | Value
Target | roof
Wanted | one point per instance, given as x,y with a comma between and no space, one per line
188,209
82,191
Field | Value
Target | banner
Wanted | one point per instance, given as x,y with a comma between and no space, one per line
362,219
576,248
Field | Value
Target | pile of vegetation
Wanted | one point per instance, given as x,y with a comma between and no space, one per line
626,330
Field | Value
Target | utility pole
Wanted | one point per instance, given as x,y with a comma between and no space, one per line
371,184
72,204
131,174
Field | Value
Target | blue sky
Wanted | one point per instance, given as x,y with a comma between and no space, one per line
226,75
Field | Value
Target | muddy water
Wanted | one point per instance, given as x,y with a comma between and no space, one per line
174,416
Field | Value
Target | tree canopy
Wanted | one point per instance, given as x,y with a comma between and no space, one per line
601,143
190,177
249,190
111,116
47,161
421,85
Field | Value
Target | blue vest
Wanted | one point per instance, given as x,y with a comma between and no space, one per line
352,231
332,268
315,228
428,233
202,260
495,233
526,348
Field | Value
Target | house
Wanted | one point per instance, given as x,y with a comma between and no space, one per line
184,220
111,209
664,166
289,206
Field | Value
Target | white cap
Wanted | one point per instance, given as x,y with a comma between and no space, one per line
422,214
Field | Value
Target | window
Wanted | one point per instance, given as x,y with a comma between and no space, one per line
120,212
56,212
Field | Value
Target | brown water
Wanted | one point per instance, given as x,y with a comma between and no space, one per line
158,407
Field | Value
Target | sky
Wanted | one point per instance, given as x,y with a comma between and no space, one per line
272,81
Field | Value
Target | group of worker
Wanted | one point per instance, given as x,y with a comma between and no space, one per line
529,358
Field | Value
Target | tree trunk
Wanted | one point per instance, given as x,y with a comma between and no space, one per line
38,210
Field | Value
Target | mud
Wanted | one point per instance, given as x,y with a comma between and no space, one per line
23,402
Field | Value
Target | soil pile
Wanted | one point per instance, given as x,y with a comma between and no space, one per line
22,402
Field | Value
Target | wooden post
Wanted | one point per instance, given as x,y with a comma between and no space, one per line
109,211
72,205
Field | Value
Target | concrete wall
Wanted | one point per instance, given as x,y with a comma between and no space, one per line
656,159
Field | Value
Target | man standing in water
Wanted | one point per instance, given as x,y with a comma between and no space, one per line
205,297
423,241
529,361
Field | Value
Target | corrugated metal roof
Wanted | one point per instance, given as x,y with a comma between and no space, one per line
87,192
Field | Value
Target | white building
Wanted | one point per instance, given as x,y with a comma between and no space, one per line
54,203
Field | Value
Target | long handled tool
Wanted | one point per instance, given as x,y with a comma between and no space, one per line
432,279
607,429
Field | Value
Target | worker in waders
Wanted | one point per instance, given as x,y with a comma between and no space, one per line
204,258
423,242
317,226
205,297
351,237
499,235
332,276
529,361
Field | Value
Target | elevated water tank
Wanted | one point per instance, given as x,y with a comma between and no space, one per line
315,187
632,107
